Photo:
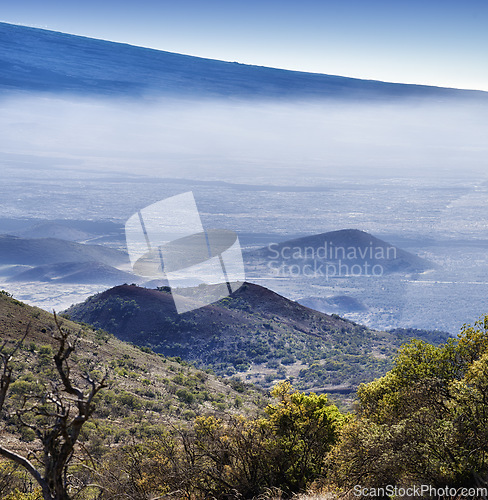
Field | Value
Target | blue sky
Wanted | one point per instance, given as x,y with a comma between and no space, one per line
431,41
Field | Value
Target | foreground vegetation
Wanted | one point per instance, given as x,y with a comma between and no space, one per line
424,422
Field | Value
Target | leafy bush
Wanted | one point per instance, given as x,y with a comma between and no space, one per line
185,396
425,421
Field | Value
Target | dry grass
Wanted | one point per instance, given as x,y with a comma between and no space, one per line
277,494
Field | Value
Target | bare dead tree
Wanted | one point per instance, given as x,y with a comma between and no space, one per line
63,411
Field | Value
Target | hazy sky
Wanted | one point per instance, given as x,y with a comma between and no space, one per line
435,42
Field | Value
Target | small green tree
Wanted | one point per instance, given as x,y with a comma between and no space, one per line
304,428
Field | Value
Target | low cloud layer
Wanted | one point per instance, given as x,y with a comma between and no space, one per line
247,141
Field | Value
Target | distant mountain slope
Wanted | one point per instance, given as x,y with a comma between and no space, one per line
336,253
64,229
53,230
38,60
75,272
255,332
39,251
